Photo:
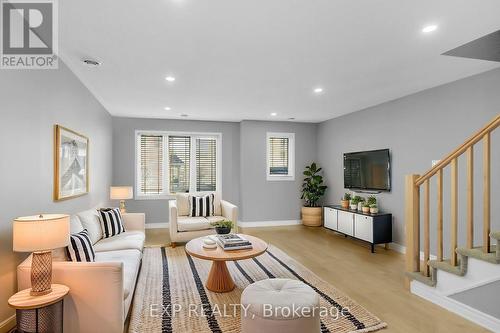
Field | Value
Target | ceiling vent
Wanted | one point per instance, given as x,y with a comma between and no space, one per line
91,63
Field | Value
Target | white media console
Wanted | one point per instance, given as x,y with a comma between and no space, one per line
372,228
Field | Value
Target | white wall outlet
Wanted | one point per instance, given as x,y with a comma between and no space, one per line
434,162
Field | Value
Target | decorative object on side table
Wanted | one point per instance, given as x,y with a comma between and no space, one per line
40,235
71,163
312,190
209,243
40,313
366,208
361,203
121,193
344,202
222,227
372,203
354,202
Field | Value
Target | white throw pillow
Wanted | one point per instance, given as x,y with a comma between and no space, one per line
90,221
75,225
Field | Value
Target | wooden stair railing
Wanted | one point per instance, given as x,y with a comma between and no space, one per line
413,184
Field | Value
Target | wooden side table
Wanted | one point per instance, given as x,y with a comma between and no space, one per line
40,313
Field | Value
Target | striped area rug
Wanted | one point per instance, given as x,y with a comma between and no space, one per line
170,294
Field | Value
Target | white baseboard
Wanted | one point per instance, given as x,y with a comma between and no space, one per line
397,247
463,310
8,324
256,224
402,249
157,225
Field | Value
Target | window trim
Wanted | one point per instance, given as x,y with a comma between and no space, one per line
166,162
291,157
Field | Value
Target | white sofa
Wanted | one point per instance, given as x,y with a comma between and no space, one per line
101,292
183,228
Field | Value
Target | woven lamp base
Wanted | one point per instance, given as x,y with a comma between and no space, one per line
41,273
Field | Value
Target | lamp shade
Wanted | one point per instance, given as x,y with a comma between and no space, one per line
40,233
121,192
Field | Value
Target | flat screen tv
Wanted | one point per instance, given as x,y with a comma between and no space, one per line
368,170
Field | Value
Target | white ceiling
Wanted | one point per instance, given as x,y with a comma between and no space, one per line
243,59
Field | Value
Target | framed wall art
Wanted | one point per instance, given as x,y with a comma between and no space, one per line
71,164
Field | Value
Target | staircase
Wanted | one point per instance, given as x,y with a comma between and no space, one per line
424,271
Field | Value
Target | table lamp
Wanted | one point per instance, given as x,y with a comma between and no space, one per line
121,193
40,234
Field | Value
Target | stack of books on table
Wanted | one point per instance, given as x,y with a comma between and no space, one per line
232,242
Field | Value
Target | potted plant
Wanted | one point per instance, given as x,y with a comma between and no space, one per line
371,200
366,208
354,202
361,202
373,209
312,190
344,202
222,227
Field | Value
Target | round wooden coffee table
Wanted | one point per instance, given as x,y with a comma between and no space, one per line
219,280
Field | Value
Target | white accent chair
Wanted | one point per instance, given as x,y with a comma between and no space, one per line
183,228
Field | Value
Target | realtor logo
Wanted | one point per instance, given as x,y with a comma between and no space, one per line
29,34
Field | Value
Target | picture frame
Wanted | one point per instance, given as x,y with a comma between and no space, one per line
71,164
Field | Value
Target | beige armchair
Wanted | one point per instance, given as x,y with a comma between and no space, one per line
183,228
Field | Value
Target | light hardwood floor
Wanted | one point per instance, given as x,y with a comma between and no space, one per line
375,281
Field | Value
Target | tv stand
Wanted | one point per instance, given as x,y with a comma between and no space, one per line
371,228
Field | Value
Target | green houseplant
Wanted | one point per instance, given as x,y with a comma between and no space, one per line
222,227
366,208
312,191
373,209
344,202
355,201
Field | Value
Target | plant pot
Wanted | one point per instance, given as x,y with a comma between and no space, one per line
354,207
344,204
373,210
366,210
312,216
222,230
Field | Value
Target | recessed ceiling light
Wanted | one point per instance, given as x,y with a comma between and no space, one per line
429,28
168,108
318,90
273,114
170,78
184,115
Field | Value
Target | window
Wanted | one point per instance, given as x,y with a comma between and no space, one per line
193,163
280,156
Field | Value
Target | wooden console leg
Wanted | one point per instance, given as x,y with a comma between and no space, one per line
172,244
386,246
219,280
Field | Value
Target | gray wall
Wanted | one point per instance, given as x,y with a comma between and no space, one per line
483,298
418,129
263,200
124,158
32,102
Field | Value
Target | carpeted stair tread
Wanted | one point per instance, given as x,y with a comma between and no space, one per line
421,278
493,257
446,266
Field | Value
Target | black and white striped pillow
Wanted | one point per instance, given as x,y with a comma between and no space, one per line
111,222
201,206
80,247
